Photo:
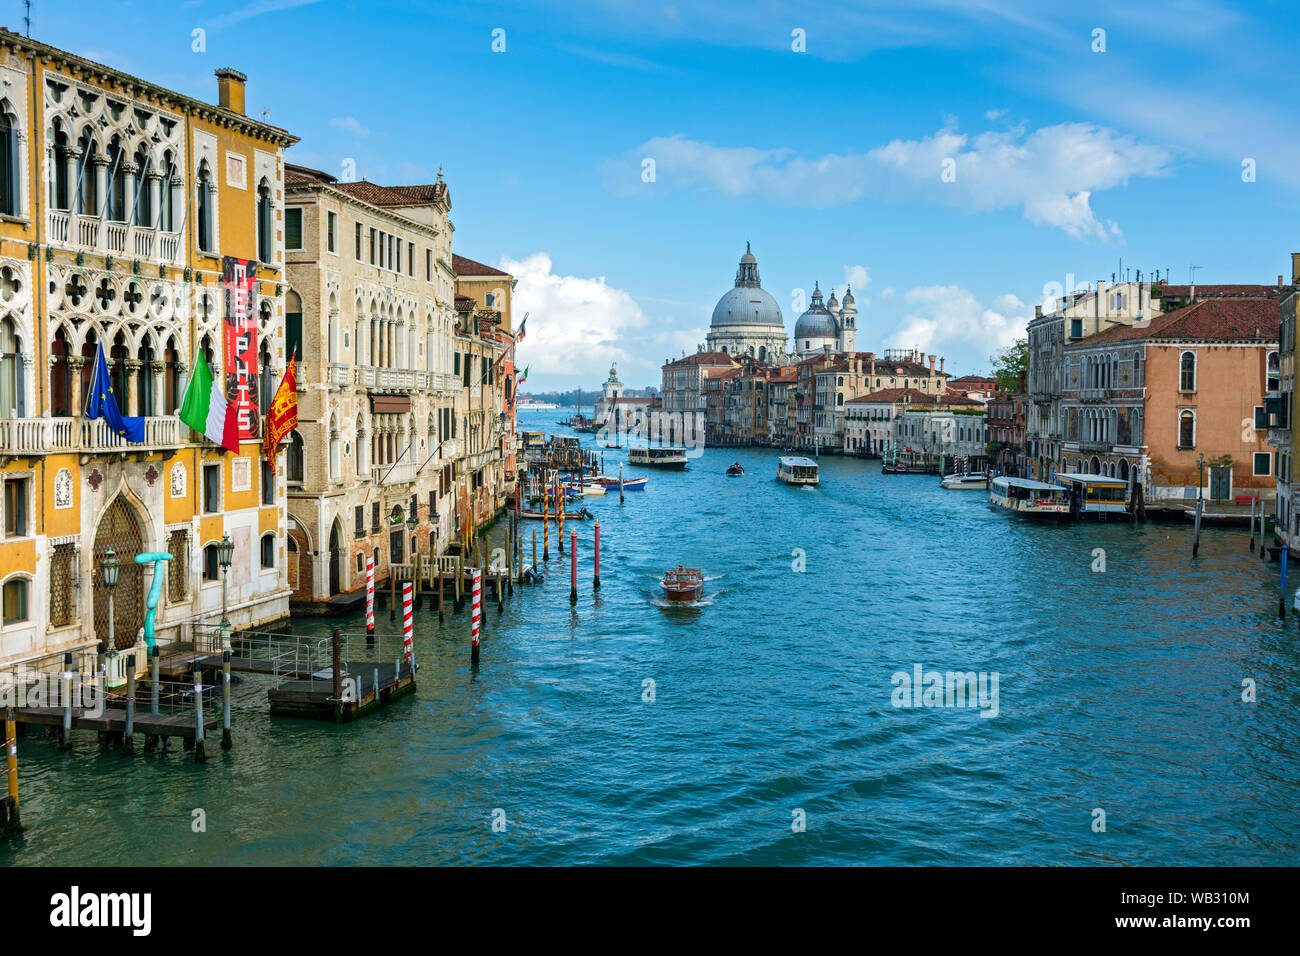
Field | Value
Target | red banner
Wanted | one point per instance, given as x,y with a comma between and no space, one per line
282,416
241,344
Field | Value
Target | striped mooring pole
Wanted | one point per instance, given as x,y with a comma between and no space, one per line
370,595
546,521
559,510
407,620
573,567
476,613
595,583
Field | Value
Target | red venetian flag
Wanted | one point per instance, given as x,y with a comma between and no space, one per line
282,416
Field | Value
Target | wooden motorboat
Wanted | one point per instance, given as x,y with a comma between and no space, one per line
735,471
969,481
629,484
683,584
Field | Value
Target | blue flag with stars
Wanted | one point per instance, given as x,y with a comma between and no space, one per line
103,404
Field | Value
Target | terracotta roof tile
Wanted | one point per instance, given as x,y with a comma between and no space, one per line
469,267
1248,319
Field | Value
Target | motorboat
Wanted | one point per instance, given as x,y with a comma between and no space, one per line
683,584
970,481
735,471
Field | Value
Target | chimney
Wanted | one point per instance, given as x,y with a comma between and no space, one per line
1279,281
941,358
230,89
1038,311
931,364
1101,287
1295,268
871,356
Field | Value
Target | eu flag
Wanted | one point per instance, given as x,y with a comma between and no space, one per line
103,404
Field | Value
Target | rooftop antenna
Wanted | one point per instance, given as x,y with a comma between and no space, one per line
27,18
1191,274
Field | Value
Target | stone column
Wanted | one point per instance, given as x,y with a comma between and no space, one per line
131,401
70,158
153,181
75,364
156,369
129,207
100,162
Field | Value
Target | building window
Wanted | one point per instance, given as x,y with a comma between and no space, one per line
17,506
293,229
1187,372
62,563
204,211
268,483
356,235
211,572
359,521
410,259
372,246
428,265
294,459
15,601
1186,429
211,489
374,517
11,382
178,546
268,551
264,222
1273,380
1261,417
331,231
1263,463
10,189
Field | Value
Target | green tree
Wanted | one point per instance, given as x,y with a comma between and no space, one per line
1010,365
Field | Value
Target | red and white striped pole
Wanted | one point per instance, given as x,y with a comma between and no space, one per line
559,510
573,567
546,520
407,621
476,613
595,586
370,595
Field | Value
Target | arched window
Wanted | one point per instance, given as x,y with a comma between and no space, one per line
166,201
142,211
117,196
145,389
265,379
1186,429
10,176
295,457
268,551
204,213
264,221
361,446
171,377
15,600
1187,372
1273,378
11,383
293,324
332,328
60,376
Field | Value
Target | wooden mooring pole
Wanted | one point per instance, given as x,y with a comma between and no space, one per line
200,748
1196,531
128,733
9,818
67,700
392,592
1252,525
226,742
1281,601
573,567
595,581
440,587
534,552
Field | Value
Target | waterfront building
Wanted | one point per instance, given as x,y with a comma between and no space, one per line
1280,409
747,321
483,351
126,207
1178,403
830,325
621,414
1045,366
869,419
951,429
1006,421
978,387
370,293
681,419
749,406
780,413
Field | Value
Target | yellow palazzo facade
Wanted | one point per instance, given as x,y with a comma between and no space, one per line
118,201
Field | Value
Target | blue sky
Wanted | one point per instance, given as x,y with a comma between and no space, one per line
829,161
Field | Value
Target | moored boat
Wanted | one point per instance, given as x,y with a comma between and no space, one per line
683,584
797,471
629,484
1093,496
971,481
657,457
1029,499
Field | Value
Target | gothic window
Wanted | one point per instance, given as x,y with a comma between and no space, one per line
204,213
295,457
264,221
1187,372
145,389
11,386
10,176
142,202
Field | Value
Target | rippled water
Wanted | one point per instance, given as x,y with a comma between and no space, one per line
1118,690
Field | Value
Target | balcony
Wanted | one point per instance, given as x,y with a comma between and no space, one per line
93,234
340,375
40,436
401,473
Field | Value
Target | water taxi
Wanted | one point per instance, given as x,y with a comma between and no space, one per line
971,481
683,584
735,471
657,457
629,484
1029,498
1093,495
797,471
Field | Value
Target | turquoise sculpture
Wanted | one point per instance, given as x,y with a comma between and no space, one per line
155,591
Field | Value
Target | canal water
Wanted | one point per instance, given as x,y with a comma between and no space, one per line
759,726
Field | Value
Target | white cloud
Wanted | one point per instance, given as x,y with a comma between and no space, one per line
349,124
1050,174
577,326
255,9
949,320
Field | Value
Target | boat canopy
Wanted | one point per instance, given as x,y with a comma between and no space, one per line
794,462
1027,483
1101,481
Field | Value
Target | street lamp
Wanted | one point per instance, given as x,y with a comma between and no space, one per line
109,569
225,554
1200,474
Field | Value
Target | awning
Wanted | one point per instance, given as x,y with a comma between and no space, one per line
390,404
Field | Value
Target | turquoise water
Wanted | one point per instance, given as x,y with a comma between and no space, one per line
1118,690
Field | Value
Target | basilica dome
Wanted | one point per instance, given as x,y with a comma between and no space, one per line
817,322
747,306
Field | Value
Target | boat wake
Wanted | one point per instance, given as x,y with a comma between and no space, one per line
662,602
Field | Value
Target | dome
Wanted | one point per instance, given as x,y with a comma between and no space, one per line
848,296
746,305
817,322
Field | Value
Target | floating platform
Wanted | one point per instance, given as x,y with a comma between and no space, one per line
375,685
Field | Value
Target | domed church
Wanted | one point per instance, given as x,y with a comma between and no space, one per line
747,320
833,323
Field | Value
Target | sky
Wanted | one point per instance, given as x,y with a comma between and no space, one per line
958,163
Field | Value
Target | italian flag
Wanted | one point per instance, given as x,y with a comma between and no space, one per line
524,377
205,408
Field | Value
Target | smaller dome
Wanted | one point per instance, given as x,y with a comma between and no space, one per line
832,303
848,295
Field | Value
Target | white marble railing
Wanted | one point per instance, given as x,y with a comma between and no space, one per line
20,436
114,238
36,435
394,474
